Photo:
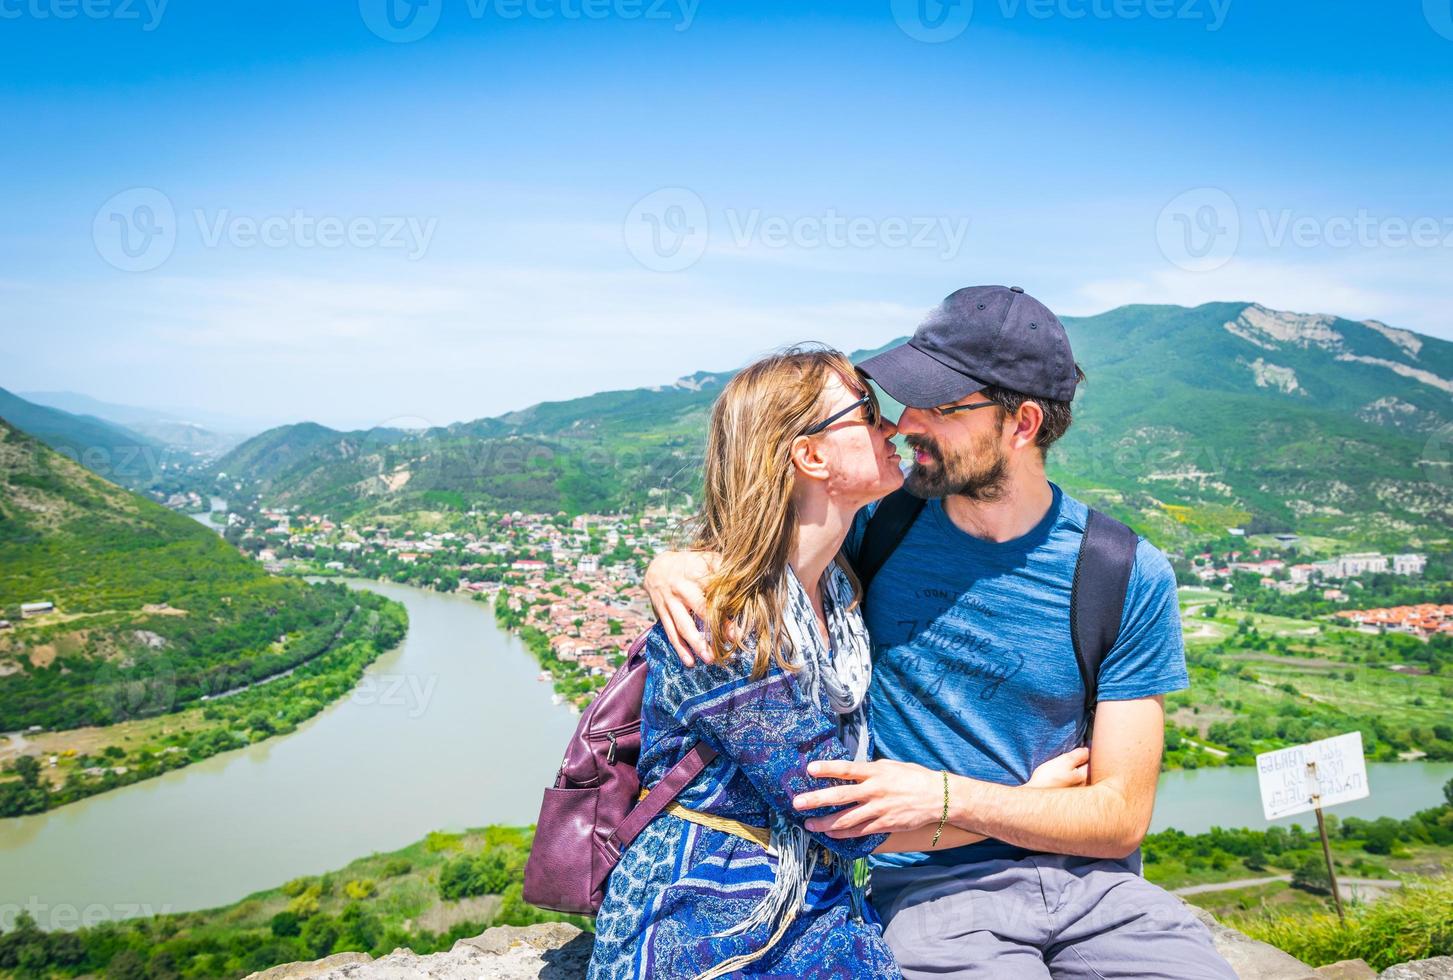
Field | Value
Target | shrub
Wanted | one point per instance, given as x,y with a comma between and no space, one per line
438,841
1412,924
1311,874
360,888
487,873
396,866
286,924
126,965
306,904
296,887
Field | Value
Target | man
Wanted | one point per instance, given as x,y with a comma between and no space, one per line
976,679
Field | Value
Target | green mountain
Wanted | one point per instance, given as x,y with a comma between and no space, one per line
1233,413
120,454
152,610
1193,420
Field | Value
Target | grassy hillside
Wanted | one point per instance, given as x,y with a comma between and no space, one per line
1193,420
1261,682
153,611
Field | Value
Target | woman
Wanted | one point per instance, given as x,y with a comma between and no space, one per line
727,880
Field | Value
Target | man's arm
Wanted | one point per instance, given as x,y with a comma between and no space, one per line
1107,818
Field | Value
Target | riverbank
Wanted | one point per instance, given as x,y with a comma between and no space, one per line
1280,871
51,769
449,729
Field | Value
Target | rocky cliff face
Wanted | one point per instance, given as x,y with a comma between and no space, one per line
556,951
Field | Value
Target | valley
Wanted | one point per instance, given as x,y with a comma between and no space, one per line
371,613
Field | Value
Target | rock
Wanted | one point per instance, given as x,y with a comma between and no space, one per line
557,951
1253,960
545,936
549,951
295,971
1438,968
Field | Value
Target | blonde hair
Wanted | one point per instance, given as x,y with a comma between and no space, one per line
746,513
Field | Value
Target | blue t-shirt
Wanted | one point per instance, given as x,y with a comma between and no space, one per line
974,670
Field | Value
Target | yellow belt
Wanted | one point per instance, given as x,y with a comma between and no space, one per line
756,835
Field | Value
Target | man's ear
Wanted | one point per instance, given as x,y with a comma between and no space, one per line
807,459
1027,422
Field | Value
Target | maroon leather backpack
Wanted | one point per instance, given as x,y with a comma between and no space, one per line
590,816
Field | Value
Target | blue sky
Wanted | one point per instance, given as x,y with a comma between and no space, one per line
285,211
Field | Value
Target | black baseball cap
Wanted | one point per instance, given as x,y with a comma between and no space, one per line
977,337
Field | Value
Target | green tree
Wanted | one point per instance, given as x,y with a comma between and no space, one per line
1311,874
27,767
320,933
126,965
1381,836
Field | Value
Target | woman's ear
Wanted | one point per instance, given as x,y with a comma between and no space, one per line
807,458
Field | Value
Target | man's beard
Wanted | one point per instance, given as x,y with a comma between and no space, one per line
981,473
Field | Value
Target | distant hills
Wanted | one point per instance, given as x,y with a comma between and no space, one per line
152,610
122,455
191,430
1192,420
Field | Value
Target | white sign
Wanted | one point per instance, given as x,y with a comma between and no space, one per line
1318,774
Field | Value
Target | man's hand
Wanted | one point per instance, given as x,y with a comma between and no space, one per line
674,581
890,796
897,796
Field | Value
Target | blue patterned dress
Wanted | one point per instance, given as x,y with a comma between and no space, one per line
680,885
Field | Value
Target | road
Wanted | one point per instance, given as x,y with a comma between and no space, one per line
1367,889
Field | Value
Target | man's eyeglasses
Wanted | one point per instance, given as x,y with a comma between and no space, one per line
868,401
950,409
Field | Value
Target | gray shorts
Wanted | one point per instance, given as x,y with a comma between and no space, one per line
1038,917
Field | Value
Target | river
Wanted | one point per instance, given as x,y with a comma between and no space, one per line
450,730
1195,800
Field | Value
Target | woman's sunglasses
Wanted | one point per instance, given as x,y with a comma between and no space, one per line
868,400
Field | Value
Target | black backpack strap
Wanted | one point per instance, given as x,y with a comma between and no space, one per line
886,530
1097,600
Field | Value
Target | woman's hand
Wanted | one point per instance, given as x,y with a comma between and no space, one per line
1063,771
674,581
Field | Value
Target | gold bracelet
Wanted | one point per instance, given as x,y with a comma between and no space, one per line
943,819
